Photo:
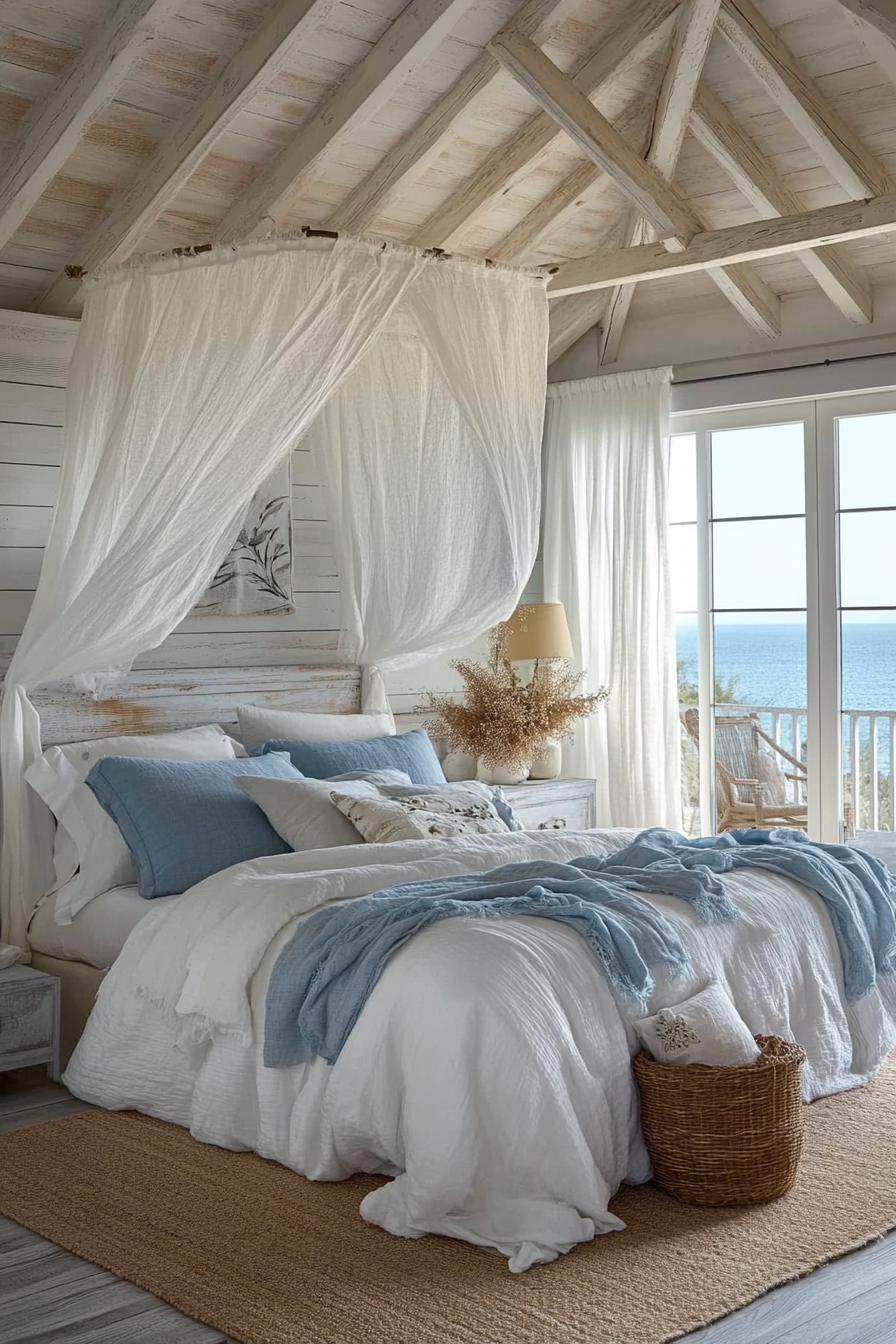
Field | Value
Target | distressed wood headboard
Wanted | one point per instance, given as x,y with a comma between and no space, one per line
193,696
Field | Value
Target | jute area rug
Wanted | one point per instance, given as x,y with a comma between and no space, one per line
266,1257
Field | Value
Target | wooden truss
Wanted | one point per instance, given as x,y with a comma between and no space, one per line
636,154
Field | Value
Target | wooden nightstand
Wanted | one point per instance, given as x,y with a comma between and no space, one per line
29,1020
554,804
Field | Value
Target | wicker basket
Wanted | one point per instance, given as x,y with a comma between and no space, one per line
724,1135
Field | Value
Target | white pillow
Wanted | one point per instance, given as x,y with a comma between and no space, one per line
90,855
450,811
258,724
705,1029
302,812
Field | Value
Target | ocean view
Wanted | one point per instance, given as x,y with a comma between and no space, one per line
769,663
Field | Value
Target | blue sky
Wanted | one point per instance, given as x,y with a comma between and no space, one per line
759,553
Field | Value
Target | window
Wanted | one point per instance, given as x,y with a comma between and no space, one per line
783,555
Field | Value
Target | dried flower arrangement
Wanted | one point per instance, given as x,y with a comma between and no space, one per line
501,721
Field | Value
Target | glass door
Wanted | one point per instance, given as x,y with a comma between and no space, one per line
858,436
740,574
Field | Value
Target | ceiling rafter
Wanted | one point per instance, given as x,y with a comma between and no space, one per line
53,128
654,198
542,219
180,153
801,101
640,34
719,133
690,46
726,247
879,43
410,40
416,149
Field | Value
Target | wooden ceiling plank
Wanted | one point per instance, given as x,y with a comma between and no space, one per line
743,161
728,247
693,33
642,32
54,126
877,39
802,102
415,151
134,213
879,14
654,199
410,39
570,318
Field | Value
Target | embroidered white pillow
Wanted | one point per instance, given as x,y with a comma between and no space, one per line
451,812
258,724
705,1029
90,855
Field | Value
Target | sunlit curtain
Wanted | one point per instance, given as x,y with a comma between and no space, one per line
192,378
605,558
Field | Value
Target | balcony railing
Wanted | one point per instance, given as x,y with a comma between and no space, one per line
869,749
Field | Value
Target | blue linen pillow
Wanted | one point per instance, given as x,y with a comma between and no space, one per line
411,752
184,820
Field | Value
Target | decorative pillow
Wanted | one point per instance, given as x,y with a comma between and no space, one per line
259,724
184,820
410,752
302,812
705,1029
90,855
451,811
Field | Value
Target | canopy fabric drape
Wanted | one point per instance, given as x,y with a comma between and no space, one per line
606,559
191,379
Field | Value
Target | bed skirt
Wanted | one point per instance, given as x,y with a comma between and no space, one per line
79,985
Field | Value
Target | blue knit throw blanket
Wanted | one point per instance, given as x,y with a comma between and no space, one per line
325,974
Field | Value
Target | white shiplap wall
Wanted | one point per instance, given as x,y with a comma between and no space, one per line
34,355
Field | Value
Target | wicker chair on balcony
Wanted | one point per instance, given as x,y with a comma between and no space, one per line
751,789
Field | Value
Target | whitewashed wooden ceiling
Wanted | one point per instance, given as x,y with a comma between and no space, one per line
566,133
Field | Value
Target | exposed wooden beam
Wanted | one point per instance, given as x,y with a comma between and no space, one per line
132,215
719,133
693,33
880,14
542,219
639,35
54,127
799,97
728,247
412,37
415,150
659,203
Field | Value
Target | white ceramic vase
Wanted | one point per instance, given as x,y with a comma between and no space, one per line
501,774
459,765
547,763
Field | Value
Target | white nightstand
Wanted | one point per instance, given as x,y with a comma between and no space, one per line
554,804
29,1020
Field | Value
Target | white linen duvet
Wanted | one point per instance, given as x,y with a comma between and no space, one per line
489,1072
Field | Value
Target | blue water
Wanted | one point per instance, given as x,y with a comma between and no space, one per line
769,662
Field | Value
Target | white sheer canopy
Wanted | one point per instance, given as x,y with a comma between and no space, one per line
606,559
193,377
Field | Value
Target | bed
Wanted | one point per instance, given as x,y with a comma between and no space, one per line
489,1072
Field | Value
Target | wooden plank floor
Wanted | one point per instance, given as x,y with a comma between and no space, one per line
48,1296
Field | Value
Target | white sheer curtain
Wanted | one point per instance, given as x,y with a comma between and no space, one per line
432,561
605,558
191,379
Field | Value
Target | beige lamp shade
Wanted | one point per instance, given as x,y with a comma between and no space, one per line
539,630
